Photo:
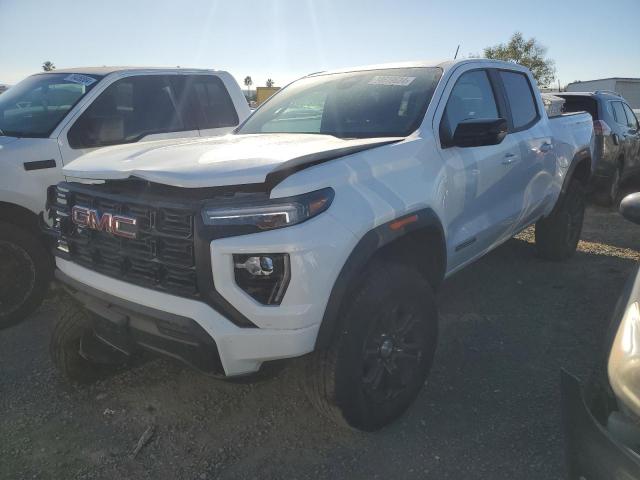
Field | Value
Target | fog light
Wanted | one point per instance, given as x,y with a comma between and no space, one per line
264,277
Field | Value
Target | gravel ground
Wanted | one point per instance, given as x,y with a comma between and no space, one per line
490,410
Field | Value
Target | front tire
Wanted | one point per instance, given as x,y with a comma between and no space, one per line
557,236
74,324
25,272
381,354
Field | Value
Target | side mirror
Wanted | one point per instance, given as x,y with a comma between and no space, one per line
479,132
630,207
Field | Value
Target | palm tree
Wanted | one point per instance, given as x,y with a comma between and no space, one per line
248,82
48,66
270,83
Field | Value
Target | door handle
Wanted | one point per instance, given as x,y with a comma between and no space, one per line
509,159
545,147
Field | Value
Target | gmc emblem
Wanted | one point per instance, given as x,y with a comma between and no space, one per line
107,222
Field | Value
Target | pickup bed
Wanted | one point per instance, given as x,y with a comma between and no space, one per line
50,119
321,226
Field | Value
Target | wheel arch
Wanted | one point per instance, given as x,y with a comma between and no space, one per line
20,216
580,169
415,239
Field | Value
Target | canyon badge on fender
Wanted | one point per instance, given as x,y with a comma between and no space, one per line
117,225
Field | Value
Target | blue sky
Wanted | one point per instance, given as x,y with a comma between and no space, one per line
285,39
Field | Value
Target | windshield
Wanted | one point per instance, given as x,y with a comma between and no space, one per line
35,106
372,103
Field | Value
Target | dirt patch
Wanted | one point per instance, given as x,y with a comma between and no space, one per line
491,408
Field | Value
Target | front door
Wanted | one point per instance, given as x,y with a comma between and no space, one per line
476,206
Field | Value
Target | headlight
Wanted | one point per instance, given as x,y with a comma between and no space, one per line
624,360
270,214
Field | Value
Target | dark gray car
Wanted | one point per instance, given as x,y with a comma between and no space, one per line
617,135
602,419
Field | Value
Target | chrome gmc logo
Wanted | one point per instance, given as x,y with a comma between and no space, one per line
107,222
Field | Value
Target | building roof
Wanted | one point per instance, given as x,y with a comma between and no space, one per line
624,79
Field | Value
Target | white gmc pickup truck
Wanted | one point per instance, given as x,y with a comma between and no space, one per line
50,119
321,226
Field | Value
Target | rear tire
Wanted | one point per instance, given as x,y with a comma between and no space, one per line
610,195
557,236
25,272
71,326
382,353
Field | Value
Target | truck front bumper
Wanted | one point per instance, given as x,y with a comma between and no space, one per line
593,453
182,328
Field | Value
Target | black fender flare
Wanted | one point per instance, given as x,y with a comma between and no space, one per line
580,156
360,256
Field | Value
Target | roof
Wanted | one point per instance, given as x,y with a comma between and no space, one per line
596,93
444,64
105,70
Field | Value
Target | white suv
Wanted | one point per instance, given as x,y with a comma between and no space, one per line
323,224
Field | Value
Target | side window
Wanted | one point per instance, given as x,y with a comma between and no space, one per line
520,98
632,121
128,110
471,98
618,111
213,106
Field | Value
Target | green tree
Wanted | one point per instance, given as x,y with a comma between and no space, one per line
48,66
270,83
248,82
527,52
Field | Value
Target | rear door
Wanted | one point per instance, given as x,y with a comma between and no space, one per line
528,181
477,210
129,110
625,139
633,136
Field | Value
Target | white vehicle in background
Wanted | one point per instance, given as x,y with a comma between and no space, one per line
50,119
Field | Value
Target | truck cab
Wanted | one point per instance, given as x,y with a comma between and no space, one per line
51,118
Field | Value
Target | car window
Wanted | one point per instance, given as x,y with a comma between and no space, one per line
35,106
127,111
520,97
365,104
632,121
213,107
618,113
472,97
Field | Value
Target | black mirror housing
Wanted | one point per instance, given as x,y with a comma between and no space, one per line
479,132
630,207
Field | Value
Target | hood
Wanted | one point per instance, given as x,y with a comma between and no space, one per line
217,161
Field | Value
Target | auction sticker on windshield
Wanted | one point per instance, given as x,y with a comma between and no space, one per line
391,80
81,79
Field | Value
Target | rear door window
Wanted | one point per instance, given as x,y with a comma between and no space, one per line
632,121
520,97
127,111
212,105
618,113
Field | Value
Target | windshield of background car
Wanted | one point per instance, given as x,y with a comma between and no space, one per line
372,103
35,106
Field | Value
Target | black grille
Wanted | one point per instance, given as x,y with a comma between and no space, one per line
161,256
